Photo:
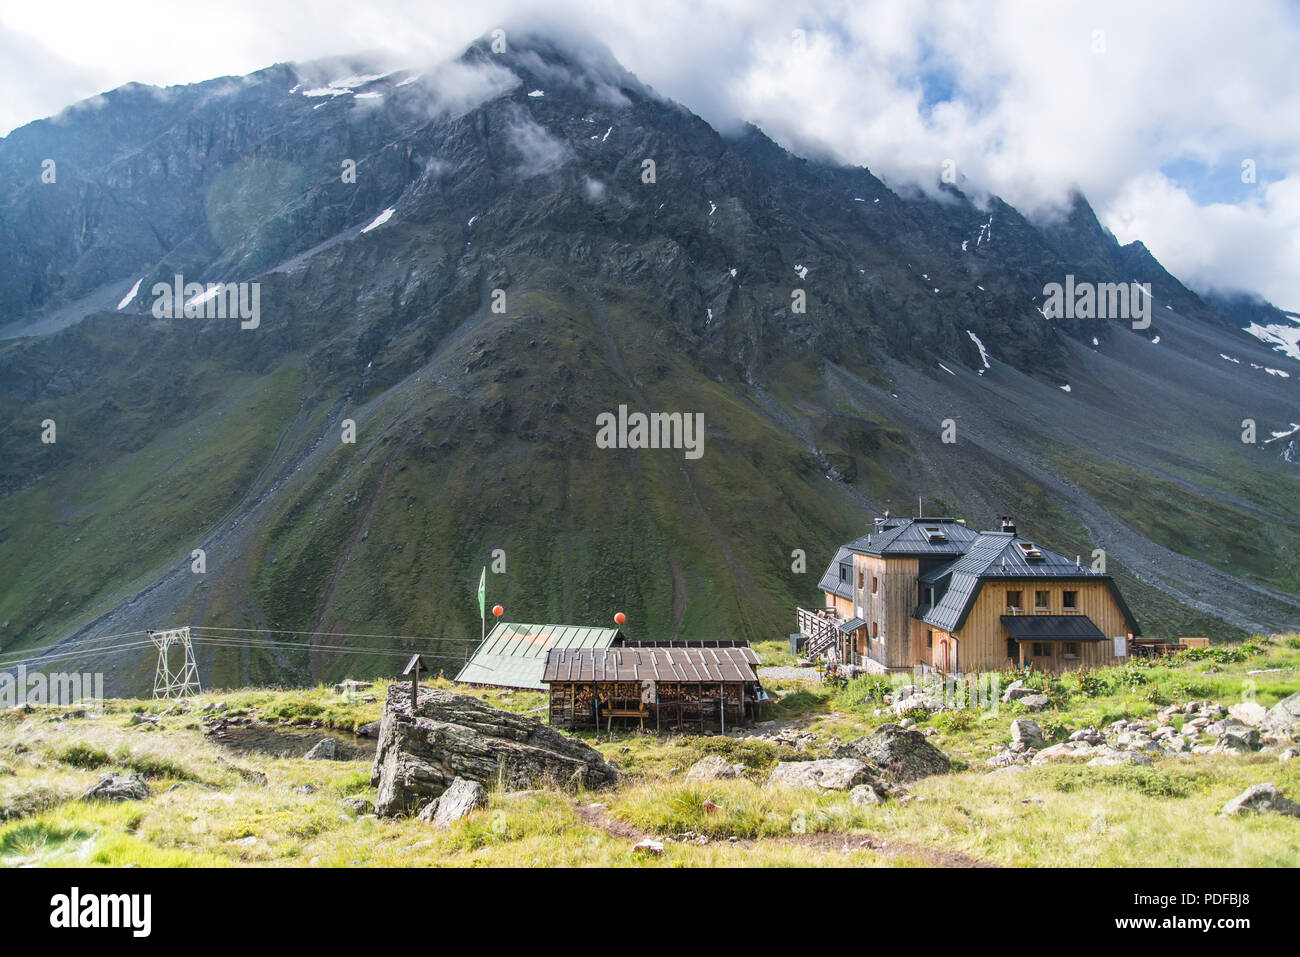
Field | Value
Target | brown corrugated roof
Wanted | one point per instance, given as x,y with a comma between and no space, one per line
690,665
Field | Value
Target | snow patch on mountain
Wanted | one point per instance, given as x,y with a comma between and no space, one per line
984,353
1283,339
126,301
382,218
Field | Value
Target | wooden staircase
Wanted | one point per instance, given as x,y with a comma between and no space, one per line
820,633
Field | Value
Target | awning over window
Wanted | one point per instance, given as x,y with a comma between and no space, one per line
850,626
1052,628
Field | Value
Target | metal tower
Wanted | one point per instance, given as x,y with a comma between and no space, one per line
182,682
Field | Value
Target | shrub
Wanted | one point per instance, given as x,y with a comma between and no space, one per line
1150,781
861,691
80,756
1091,684
1054,728
1134,676
949,721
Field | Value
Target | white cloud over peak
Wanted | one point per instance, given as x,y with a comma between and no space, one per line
1148,108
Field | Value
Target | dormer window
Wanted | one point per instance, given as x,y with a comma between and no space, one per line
934,534
844,573
1031,552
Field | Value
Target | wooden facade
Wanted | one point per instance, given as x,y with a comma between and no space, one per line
696,688
983,638
978,585
705,706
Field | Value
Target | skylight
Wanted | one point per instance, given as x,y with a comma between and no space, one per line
1031,551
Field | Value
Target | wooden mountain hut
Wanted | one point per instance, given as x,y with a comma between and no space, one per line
687,688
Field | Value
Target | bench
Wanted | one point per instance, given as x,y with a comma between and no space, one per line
640,713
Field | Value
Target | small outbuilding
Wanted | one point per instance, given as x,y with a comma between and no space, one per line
665,686
514,654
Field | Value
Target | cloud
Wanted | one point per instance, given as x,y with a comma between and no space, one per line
1251,246
1029,100
454,88
539,151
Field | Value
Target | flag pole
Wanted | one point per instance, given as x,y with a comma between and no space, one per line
482,602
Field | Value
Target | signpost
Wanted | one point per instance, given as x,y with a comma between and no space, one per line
413,669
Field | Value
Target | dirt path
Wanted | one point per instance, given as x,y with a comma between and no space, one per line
832,841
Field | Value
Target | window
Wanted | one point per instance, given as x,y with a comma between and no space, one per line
844,573
1070,600
875,585
1041,600
929,639
875,630
1042,649
1013,601
1070,649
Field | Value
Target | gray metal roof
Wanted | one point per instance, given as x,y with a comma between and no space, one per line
908,536
964,582
850,626
689,665
831,580
1000,556
1052,628
514,655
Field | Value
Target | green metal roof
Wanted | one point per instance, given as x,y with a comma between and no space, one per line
514,655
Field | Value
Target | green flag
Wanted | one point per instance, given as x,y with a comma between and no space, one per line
482,584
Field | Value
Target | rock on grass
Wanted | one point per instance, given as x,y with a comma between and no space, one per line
828,774
899,753
1262,798
118,787
462,797
420,753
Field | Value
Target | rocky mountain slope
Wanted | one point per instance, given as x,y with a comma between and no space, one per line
518,180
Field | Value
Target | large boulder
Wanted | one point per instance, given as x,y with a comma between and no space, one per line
1112,756
326,749
1066,749
461,797
1261,798
828,774
1027,731
1282,723
898,752
1249,712
118,787
448,736
713,768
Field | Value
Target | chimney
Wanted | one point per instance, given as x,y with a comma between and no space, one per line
1008,524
